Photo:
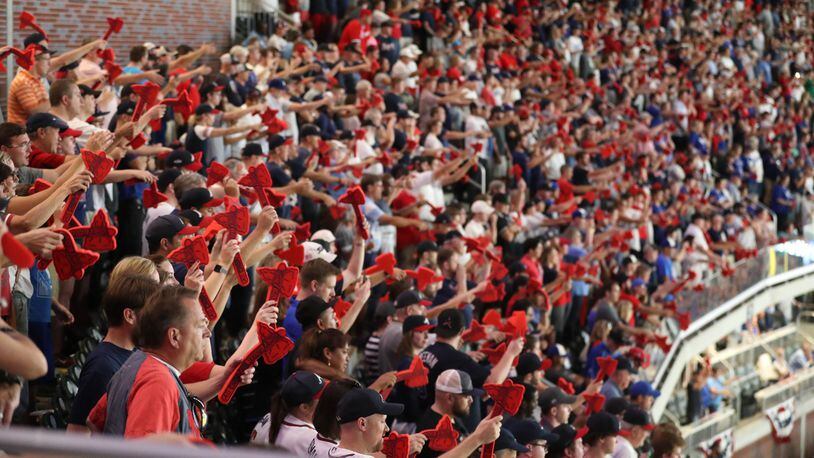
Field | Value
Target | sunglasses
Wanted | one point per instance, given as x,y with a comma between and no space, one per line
198,411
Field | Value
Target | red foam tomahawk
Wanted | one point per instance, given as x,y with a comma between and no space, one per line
194,250
281,280
417,375
69,259
258,179
99,236
384,263
355,197
152,196
273,345
566,386
294,255
443,437
216,173
99,165
236,220
147,95
607,366
303,231
15,251
424,277
28,20
181,104
593,402
396,445
113,71
507,396
475,333
114,25
23,57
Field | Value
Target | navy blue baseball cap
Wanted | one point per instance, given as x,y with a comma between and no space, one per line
302,387
507,441
364,402
529,431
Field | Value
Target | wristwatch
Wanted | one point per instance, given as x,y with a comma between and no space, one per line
218,268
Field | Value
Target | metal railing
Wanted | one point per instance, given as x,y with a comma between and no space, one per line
48,442
801,383
770,277
707,428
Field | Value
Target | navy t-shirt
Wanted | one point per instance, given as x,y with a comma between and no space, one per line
440,356
102,363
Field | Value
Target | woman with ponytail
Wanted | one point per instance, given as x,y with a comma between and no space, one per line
289,423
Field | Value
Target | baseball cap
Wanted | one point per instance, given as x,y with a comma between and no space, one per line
252,149
480,206
624,364
275,141
167,177
165,227
42,120
198,198
643,388
180,158
426,245
277,83
126,107
636,416
203,109
507,441
556,350
211,87
309,310
616,406
364,402
87,90
528,431
70,133
407,298
309,130
603,424
554,396
416,323
324,235
301,387
456,382
579,213
637,282
566,436
191,216
527,363
314,250
450,322
384,309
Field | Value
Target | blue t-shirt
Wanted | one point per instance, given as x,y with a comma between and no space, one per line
39,307
293,328
664,269
597,351
102,363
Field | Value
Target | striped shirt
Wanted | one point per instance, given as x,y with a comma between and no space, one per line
26,93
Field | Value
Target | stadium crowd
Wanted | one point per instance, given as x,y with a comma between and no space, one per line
378,227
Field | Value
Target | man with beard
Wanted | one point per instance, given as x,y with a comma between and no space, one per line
454,395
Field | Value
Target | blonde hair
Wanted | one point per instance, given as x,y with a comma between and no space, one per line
130,266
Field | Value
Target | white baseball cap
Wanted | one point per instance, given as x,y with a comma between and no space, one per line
314,250
324,235
480,206
456,382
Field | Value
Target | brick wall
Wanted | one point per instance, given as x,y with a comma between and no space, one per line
164,22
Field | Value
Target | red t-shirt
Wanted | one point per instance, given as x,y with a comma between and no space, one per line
197,372
152,406
41,160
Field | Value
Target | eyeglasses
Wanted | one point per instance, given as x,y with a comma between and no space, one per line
25,145
199,411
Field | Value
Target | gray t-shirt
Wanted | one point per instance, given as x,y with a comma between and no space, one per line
388,345
28,175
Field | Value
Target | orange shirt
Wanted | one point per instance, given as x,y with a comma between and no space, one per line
26,93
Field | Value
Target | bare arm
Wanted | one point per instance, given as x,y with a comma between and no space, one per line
20,356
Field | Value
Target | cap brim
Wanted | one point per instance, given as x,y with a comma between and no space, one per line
649,427
188,230
474,392
548,437
391,409
424,327
214,203
566,399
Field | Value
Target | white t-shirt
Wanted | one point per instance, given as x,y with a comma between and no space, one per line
86,128
295,435
320,446
431,191
477,124
290,117
474,229
553,166
623,449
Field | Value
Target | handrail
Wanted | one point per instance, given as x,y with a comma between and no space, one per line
801,382
49,442
755,298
